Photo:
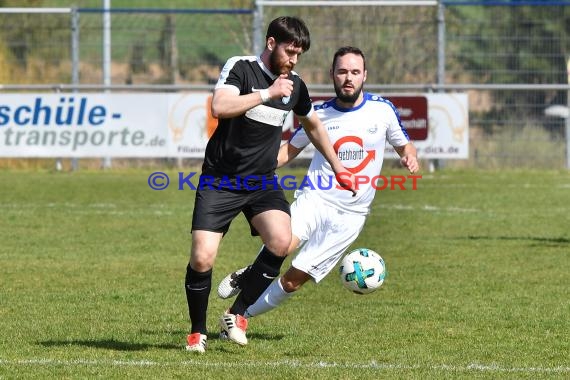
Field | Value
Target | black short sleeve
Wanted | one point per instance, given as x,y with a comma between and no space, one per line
304,105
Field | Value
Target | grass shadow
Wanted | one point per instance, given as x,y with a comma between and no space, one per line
179,332
537,239
113,344
213,335
109,344
262,336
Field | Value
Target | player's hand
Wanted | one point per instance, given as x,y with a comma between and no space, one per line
347,181
411,163
282,87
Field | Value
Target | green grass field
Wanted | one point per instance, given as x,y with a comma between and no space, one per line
92,267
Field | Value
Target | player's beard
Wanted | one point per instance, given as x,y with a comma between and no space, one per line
347,98
276,67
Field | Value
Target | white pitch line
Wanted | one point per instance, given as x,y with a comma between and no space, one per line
474,367
429,208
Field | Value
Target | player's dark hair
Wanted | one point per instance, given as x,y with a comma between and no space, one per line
348,50
287,29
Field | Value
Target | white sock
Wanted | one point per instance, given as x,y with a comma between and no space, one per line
273,296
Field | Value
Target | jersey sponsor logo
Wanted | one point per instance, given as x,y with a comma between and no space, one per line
267,115
351,154
253,89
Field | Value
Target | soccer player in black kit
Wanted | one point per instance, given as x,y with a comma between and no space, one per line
251,100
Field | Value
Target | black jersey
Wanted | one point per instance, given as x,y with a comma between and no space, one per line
247,145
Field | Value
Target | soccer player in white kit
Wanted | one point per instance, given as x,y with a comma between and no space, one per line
325,219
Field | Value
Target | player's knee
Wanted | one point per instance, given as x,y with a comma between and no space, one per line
279,246
202,262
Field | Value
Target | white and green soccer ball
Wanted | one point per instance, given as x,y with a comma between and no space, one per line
362,271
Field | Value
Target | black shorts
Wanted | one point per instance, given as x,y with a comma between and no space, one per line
214,209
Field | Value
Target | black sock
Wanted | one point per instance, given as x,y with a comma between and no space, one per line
264,269
198,286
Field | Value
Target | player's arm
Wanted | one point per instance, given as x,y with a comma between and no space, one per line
227,101
318,135
408,157
287,152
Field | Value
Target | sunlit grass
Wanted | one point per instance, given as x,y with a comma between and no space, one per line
92,270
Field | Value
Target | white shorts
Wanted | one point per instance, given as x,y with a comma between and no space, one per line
325,233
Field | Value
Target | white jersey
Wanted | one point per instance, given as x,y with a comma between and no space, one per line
359,137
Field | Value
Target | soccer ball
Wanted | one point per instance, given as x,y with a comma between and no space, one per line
362,271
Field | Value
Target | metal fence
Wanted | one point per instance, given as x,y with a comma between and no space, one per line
510,59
